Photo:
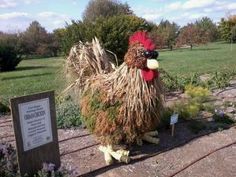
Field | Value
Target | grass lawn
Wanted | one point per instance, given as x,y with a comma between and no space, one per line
37,75
32,76
208,58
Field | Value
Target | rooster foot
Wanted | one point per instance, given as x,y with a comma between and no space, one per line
150,137
109,154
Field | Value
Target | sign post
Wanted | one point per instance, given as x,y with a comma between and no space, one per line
173,121
34,121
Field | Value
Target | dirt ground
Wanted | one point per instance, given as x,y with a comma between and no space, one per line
184,155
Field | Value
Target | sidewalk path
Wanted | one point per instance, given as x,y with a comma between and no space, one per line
79,150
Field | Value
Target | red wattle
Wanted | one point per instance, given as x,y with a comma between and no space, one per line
149,75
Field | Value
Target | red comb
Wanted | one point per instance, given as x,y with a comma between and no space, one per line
142,37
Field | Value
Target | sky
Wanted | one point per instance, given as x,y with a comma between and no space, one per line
16,15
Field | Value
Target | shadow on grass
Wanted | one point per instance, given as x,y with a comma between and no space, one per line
159,59
23,68
183,135
206,49
193,49
42,58
25,76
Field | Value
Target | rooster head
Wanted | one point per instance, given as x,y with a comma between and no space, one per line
142,55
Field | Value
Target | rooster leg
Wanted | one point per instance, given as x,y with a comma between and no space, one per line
108,158
120,155
150,137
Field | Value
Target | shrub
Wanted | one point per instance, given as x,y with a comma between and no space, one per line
191,106
197,92
176,82
165,118
221,117
3,108
220,80
10,54
115,31
187,110
9,58
8,161
209,107
196,126
9,166
68,114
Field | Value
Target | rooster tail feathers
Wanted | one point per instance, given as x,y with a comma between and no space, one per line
86,60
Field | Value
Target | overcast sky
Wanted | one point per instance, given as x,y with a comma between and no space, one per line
15,15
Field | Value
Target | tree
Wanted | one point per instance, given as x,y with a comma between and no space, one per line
33,37
73,33
190,35
112,32
53,45
104,8
59,36
210,28
37,41
115,31
233,34
226,28
110,21
165,34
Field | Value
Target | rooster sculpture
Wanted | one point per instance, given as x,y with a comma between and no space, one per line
120,105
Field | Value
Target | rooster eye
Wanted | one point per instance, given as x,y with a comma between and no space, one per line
150,54
155,54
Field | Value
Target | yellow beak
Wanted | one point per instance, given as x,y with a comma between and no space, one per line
152,64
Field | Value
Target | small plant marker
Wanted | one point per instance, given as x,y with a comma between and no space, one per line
173,121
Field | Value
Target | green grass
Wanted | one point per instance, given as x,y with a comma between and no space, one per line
208,58
38,75
32,76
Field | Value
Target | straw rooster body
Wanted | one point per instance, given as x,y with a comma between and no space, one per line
121,105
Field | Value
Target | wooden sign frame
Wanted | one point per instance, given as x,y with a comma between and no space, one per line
31,160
